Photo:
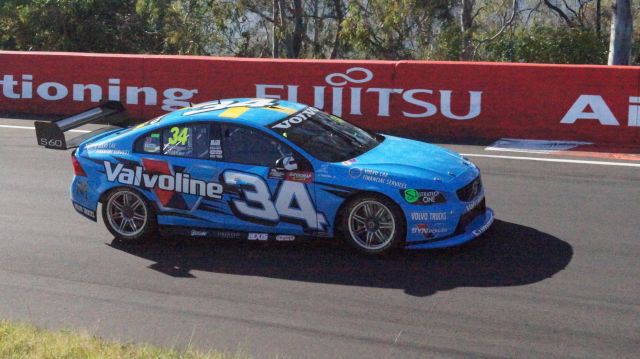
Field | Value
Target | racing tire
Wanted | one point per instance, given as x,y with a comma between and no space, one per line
128,215
373,224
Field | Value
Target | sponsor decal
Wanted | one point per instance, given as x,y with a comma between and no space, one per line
295,176
376,173
225,234
178,182
411,195
257,236
428,232
198,233
85,211
381,177
102,146
324,172
291,202
110,148
275,174
285,124
355,172
594,107
394,183
215,149
289,163
172,98
484,228
114,152
422,196
285,238
471,205
418,99
151,145
304,177
428,216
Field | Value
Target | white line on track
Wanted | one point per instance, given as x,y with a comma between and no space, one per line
33,128
541,159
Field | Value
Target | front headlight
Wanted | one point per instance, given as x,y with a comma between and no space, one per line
422,197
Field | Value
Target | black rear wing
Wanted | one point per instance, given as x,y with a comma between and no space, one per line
51,134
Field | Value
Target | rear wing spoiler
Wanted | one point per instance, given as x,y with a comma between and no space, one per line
51,134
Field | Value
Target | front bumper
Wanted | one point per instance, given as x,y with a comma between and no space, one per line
474,229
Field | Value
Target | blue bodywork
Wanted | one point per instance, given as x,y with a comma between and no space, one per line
439,192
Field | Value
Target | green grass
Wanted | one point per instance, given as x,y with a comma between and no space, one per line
23,341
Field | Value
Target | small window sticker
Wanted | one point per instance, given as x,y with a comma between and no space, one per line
215,149
152,143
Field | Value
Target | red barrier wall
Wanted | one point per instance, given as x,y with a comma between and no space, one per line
420,99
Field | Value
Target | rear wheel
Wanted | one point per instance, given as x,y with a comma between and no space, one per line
373,224
128,216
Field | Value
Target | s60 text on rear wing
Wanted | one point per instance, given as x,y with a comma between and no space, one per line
51,134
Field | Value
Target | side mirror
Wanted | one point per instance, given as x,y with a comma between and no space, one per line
287,163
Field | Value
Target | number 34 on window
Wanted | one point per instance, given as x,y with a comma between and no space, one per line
180,136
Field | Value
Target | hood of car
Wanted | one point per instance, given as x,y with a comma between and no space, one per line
406,157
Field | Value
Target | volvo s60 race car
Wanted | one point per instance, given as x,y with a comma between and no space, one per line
268,170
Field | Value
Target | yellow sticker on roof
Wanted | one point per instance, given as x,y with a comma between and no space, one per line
234,112
279,108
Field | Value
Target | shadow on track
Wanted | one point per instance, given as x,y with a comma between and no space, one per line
509,255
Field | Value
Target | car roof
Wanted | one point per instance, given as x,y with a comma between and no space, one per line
258,112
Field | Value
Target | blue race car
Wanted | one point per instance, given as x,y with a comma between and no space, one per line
265,169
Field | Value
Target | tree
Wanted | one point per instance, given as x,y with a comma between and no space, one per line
621,33
557,31
468,16
72,25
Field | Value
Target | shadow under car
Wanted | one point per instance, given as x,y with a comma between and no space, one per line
508,255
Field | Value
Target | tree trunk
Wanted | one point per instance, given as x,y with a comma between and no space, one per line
466,24
275,42
339,19
621,33
298,29
598,17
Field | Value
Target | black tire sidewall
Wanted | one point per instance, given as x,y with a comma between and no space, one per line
150,226
399,236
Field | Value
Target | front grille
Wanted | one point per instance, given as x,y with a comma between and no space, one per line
469,191
466,218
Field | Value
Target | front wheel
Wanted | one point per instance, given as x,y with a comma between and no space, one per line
373,224
128,216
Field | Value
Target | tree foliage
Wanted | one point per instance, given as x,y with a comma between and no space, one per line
557,31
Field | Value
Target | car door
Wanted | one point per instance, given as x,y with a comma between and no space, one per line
268,186
181,175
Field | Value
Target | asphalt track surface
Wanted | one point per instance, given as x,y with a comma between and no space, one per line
557,276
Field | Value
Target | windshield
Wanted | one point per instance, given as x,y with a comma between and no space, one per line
326,137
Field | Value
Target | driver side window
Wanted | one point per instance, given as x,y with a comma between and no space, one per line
251,147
